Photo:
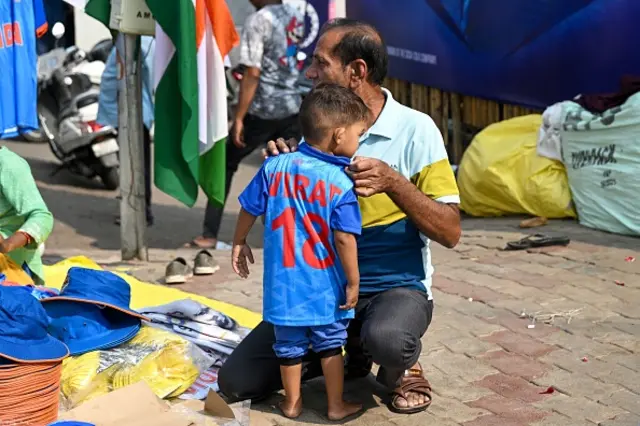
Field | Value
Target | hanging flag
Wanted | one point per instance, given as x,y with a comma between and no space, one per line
192,39
98,9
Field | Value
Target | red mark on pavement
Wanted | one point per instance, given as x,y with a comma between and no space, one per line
585,359
548,390
620,283
630,259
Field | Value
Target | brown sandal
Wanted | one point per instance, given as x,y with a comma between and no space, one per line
412,381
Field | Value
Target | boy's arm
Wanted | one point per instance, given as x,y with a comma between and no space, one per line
348,254
243,227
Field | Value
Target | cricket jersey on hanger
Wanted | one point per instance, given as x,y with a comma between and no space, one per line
21,21
304,197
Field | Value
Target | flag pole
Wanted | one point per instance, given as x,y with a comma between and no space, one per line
133,224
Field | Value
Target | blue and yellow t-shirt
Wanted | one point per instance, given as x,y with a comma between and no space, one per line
304,197
391,250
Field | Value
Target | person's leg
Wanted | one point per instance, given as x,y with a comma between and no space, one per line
256,132
291,345
252,371
393,322
147,173
327,341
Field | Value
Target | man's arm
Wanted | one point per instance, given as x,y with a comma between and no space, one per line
438,221
248,86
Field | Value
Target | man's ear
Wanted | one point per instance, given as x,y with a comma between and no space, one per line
358,73
339,135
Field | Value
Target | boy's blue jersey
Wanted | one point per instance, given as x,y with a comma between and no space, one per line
304,196
20,22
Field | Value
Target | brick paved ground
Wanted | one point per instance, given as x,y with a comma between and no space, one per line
486,366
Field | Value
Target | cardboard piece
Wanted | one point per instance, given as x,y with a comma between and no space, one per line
215,406
134,405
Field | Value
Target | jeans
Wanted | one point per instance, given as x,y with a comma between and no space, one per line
386,330
257,132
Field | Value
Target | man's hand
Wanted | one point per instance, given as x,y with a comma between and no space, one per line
279,146
240,254
237,133
352,297
371,176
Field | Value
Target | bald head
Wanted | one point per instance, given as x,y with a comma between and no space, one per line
359,40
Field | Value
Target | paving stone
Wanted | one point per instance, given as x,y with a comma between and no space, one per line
531,279
581,345
469,324
454,386
469,346
511,387
625,419
457,364
514,342
581,294
512,409
555,419
520,325
454,410
517,306
515,364
576,384
579,409
424,418
621,339
492,420
463,289
624,399
626,360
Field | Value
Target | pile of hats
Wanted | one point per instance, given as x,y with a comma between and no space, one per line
30,360
92,312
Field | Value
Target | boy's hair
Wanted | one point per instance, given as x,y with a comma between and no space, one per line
327,107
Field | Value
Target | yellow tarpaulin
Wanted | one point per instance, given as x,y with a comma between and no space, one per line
146,294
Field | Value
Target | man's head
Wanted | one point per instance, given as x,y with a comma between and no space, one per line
333,118
349,53
259,4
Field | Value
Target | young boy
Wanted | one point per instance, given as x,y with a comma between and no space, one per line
311,220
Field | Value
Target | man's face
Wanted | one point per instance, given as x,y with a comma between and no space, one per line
326,68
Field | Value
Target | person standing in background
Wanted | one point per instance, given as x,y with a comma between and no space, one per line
269,98
108,107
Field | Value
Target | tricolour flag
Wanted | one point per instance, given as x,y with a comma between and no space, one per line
192,39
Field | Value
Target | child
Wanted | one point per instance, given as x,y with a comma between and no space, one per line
312,217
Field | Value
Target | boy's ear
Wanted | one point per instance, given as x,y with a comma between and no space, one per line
339,135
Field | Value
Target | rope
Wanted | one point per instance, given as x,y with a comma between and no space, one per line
29,393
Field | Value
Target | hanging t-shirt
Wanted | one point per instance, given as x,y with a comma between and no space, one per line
21,21
304,197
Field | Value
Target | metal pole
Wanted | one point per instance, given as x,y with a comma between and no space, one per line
132,188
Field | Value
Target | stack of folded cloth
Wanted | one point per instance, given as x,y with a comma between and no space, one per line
30,360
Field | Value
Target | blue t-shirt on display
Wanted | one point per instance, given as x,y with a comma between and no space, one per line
20,22
304,196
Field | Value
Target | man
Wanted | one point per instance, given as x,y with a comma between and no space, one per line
408,196
108,106
269,99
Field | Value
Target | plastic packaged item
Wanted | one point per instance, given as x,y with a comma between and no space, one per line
602,155
168,363
501,174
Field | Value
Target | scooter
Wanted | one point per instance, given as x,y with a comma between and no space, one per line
67,112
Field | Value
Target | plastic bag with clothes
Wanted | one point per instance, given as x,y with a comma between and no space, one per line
501,174
602,155
168,363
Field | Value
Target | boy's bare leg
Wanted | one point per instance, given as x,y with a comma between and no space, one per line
291,377
333,369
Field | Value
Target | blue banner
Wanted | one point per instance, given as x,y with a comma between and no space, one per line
527,52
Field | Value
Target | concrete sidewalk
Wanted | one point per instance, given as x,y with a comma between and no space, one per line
486,365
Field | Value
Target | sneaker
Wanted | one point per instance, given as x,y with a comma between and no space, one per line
205,264
177,272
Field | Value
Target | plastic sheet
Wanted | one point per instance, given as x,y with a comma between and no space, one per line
168,363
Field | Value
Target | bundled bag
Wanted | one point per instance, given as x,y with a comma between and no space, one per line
165,361
602,155
501,174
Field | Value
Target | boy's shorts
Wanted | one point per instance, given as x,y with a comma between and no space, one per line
292,343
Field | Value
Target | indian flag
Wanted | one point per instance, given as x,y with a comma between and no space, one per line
192,39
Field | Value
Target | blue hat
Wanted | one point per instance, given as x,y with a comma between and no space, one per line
23,329
102,288
84,327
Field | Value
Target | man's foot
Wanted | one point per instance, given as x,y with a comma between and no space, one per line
413,394
291,409
343,410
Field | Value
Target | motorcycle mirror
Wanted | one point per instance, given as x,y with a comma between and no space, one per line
58,30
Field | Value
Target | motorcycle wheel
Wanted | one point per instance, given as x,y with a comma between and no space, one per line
110,178
35,136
